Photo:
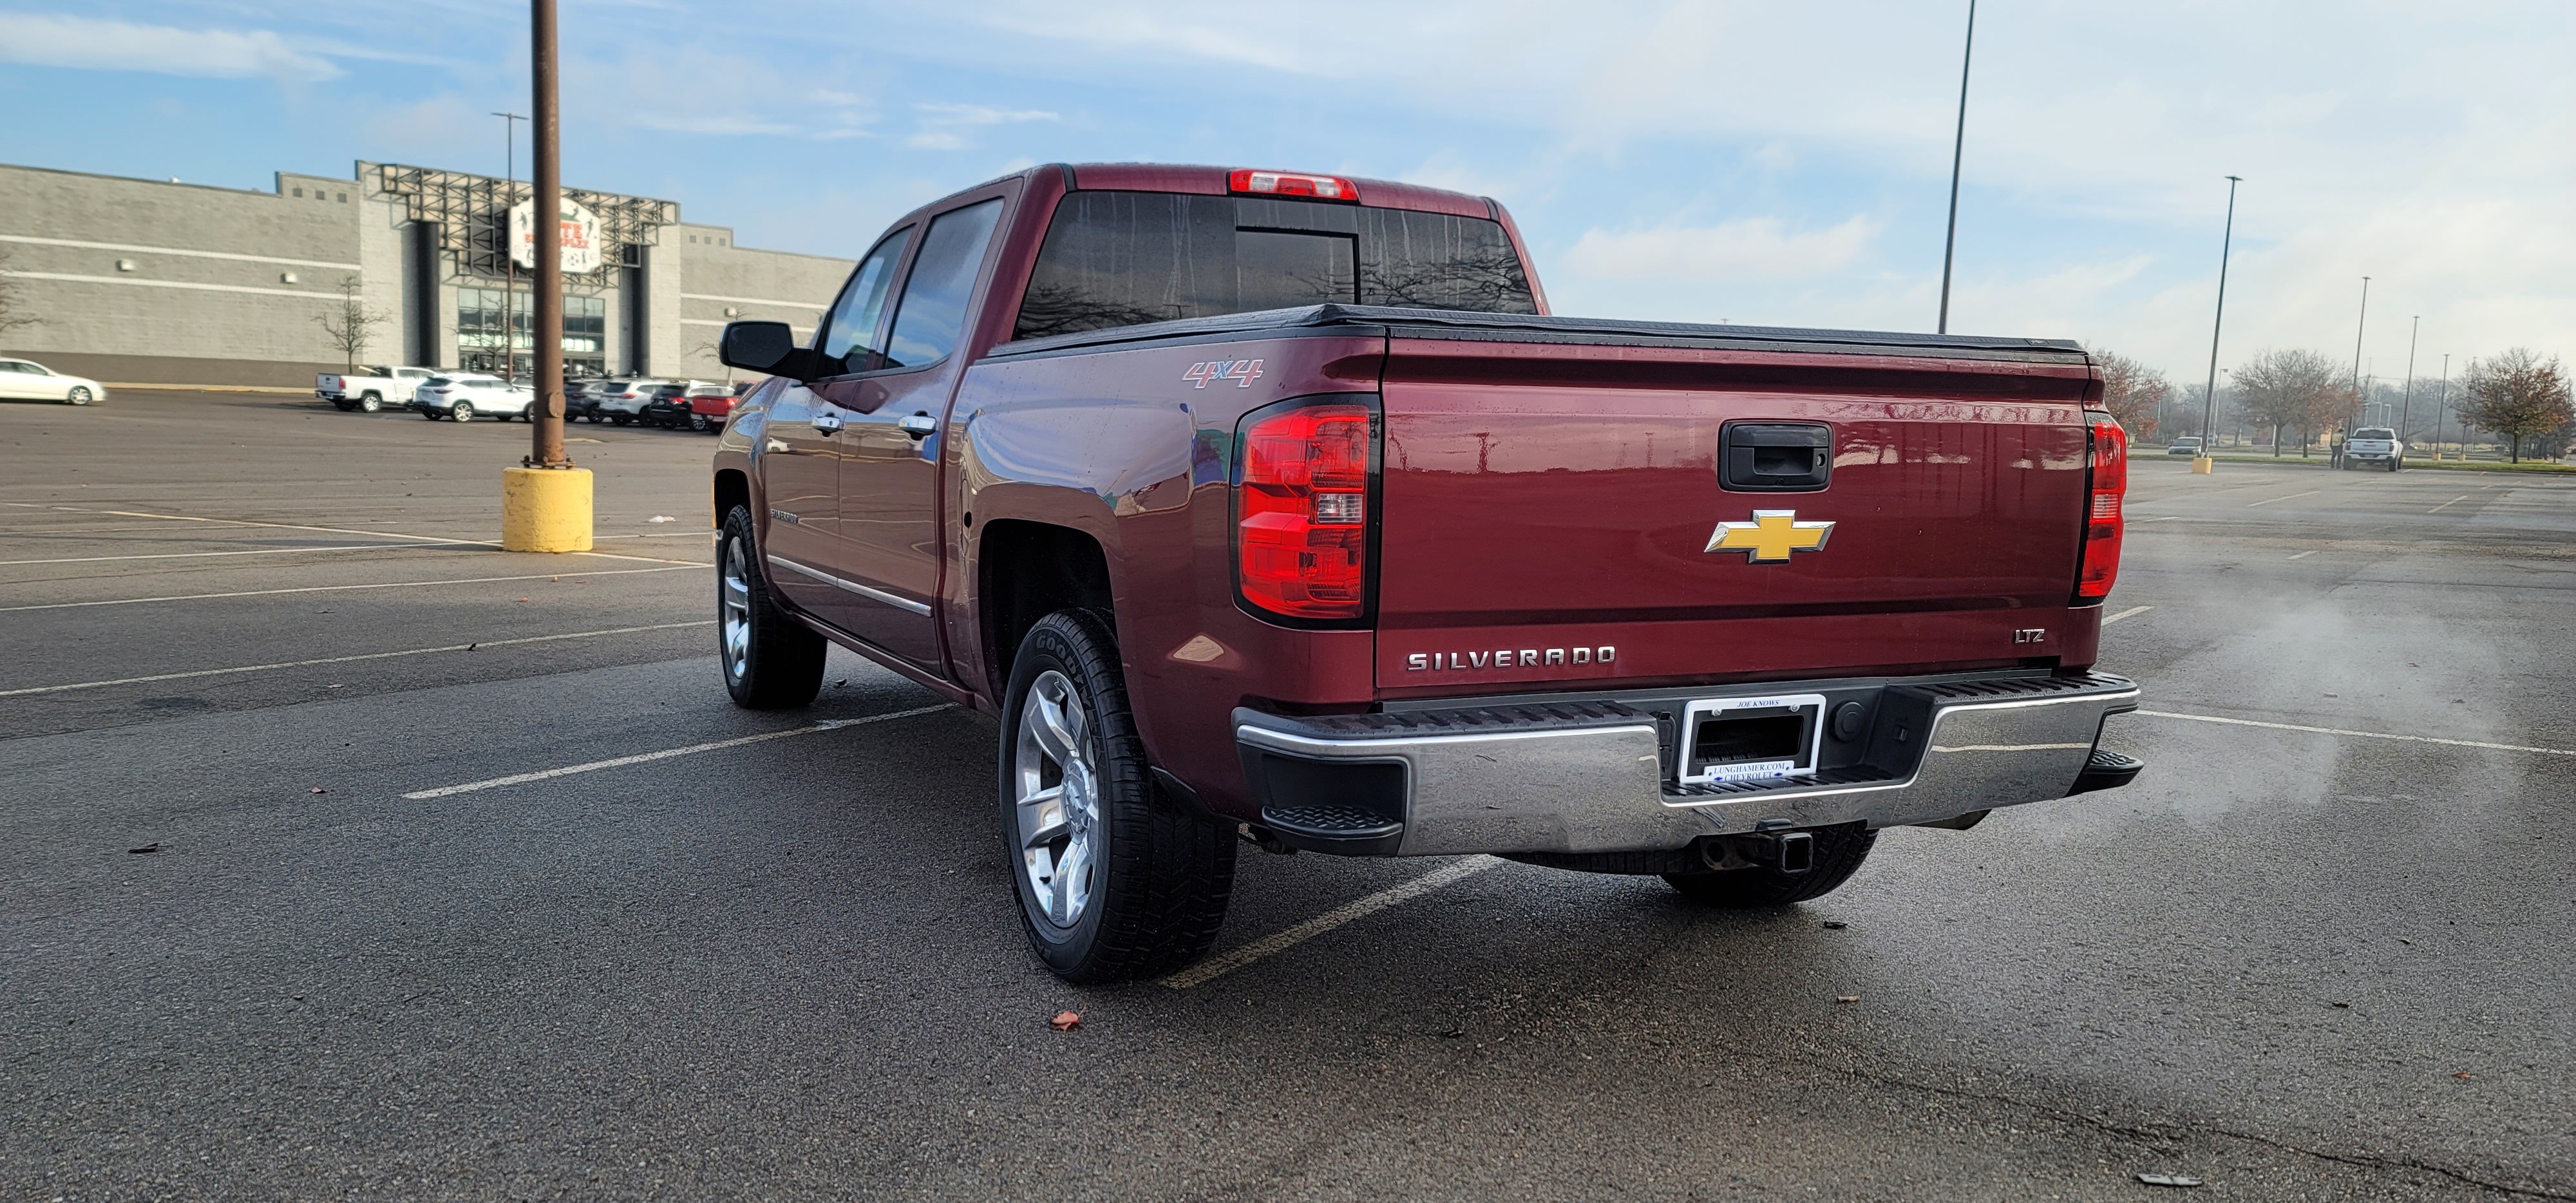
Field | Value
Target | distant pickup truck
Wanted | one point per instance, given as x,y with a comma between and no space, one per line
1276,508
372,389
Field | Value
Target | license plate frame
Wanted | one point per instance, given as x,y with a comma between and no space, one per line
1799,760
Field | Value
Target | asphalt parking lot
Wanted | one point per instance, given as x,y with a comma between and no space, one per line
377,941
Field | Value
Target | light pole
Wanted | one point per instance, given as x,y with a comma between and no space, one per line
2335,456
546,502
509,254
2406,400
1958,145
2439,408
2209,393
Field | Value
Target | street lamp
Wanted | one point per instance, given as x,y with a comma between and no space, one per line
2439,408
546,501
2406,402
2334,458
2209,393
1958,144
509,254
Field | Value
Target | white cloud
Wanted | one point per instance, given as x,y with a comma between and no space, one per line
96,44
1750,248
943,126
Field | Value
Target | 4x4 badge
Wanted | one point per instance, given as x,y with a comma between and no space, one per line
1770,537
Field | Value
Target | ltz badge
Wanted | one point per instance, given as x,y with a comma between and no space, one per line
1770,537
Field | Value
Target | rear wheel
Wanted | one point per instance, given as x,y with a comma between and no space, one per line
1839,852
620,419
771,661
1116,878
462,411
698,422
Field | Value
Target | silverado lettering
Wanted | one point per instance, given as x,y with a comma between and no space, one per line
997,497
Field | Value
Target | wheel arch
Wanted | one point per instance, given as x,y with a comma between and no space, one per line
1024,571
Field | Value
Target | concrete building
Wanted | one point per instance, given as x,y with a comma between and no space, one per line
149,282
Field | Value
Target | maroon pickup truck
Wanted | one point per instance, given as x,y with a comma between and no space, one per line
1273,508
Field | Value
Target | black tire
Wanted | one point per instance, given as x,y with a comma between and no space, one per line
432,414
1160,870
620,419
344,406
1839,852
770,661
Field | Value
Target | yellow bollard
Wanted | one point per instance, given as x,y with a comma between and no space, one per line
2202,464
545,509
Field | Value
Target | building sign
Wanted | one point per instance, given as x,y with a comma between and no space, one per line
580,237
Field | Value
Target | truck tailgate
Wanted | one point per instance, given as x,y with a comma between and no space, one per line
1547,510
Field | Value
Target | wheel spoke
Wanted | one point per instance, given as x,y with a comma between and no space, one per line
1042,817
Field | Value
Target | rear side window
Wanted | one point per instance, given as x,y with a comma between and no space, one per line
1124,258
932,317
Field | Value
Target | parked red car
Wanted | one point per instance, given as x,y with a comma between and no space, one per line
1276,505
710,404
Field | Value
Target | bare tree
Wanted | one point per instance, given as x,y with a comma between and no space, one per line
14,313
2133,392
2291,390
2516,394
351,324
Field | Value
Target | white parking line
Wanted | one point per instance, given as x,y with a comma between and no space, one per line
194,555
667,753
471,580
2414,739
2303,555
1215,967
2130,612
2452,502
431,540
2292,497
418,651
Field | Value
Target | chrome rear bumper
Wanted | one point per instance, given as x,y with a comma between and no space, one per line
1594,776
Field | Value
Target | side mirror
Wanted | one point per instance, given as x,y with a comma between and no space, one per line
766,347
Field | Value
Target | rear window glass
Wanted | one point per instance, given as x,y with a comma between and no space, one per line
2374,432
1125,258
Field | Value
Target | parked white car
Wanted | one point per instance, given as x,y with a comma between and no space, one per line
371,388
622,400
2374,445
463,396
28,380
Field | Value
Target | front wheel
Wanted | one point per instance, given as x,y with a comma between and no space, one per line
771,661
78,396
1838,854
370,403
1116,878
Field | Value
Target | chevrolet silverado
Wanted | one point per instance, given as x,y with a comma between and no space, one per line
1271,508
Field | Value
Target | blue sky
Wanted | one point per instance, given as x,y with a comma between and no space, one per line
1761,163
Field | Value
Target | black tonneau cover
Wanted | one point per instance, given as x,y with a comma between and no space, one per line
1512,327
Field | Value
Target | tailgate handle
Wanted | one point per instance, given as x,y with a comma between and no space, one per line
1775,457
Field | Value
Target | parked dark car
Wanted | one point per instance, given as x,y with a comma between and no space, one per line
667,408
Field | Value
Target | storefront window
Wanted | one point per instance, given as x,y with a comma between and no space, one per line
482,346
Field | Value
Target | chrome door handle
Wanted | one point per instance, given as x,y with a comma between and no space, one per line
919,425
826,422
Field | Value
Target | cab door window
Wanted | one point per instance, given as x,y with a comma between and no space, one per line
850,333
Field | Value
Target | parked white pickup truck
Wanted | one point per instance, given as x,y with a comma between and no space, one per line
377,388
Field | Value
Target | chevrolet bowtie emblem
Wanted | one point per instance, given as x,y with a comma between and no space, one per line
1771,536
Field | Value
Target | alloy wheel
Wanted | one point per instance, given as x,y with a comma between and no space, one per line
1056,788
734,602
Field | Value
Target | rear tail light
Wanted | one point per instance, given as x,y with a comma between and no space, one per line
2109,465
1290,183
1301,511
